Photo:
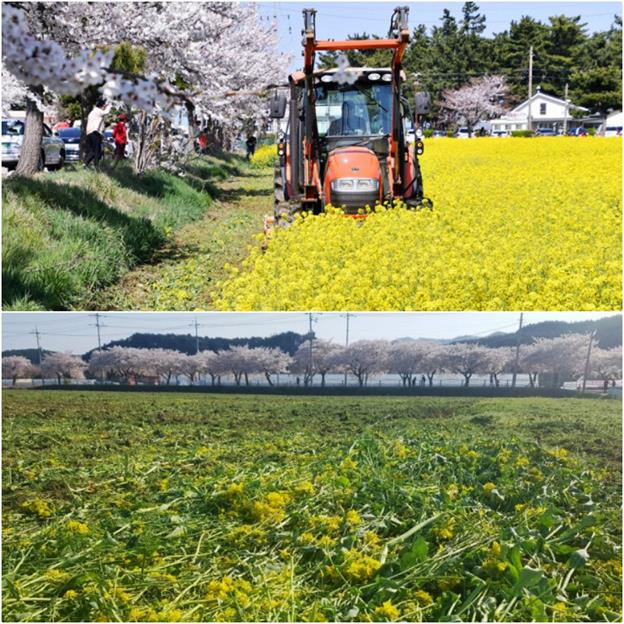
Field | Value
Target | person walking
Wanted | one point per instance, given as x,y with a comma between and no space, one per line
251,145
120,137
95,132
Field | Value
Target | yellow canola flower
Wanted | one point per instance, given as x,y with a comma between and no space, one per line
388,611
516,225
77,527
360,567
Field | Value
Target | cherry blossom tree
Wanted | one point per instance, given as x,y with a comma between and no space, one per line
406,359
607,364
560,357
364,358
211,364
220,54
433,360
499,360
125,362
240,361
16,367
479,99
63,366
466,359
272,361
325,358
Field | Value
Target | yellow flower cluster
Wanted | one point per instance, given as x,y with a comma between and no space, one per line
264,156
517,225
73,526
359,567
38,507
272,508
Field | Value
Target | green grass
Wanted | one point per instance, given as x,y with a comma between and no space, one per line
68,234
187,272
140,506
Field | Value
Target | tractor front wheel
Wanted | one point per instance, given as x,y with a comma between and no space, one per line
284,210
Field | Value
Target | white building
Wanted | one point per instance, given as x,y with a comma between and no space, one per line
546,111
613,124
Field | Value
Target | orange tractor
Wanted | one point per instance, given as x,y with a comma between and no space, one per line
345,142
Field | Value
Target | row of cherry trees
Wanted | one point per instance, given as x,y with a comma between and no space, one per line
213,58
563,358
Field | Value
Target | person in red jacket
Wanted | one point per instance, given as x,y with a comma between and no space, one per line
120,137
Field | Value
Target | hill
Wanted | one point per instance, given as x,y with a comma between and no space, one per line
608,332
186,343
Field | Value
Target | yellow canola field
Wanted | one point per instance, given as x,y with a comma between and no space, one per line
518,224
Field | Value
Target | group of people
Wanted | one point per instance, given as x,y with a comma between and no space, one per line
96,122
94,138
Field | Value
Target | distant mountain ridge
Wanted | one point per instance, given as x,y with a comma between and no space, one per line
608,332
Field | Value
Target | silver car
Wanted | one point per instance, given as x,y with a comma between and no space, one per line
52,147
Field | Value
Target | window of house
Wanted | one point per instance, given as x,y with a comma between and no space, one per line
542,109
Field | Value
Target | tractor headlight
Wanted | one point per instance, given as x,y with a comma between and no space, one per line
354,185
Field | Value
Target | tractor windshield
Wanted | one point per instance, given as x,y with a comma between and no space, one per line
360,109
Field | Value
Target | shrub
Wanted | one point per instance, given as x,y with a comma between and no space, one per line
428,133
523,134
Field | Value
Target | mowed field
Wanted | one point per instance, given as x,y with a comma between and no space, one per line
517,224
159,507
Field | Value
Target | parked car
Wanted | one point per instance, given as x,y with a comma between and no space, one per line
579,132
544,132
437,134
463,133
52,147
71,138
611,131
501,133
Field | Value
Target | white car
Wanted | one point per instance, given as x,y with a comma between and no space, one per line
52,147
612,131
463,133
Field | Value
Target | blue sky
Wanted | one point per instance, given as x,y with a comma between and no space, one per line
76,331
336,20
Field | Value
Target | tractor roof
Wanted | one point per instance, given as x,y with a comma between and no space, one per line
299,75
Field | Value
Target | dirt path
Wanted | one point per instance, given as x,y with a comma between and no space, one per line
183,276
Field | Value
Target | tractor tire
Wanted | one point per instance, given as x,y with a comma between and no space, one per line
284,210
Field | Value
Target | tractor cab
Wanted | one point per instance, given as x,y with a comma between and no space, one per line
345,143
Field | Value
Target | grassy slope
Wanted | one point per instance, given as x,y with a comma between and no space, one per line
146,474
67,234
186,274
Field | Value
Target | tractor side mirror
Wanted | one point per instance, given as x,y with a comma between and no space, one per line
422,102
277,107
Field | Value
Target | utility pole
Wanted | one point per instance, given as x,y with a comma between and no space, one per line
530,118
310,344
36,333
587,360
347,344
565,111
196,336
97,324
517,358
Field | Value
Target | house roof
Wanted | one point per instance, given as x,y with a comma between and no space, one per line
544,96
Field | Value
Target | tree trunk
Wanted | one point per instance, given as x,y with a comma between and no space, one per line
246,379
268,377
237,378
360,378
323,379
430,377
467,377
14,380
30,153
